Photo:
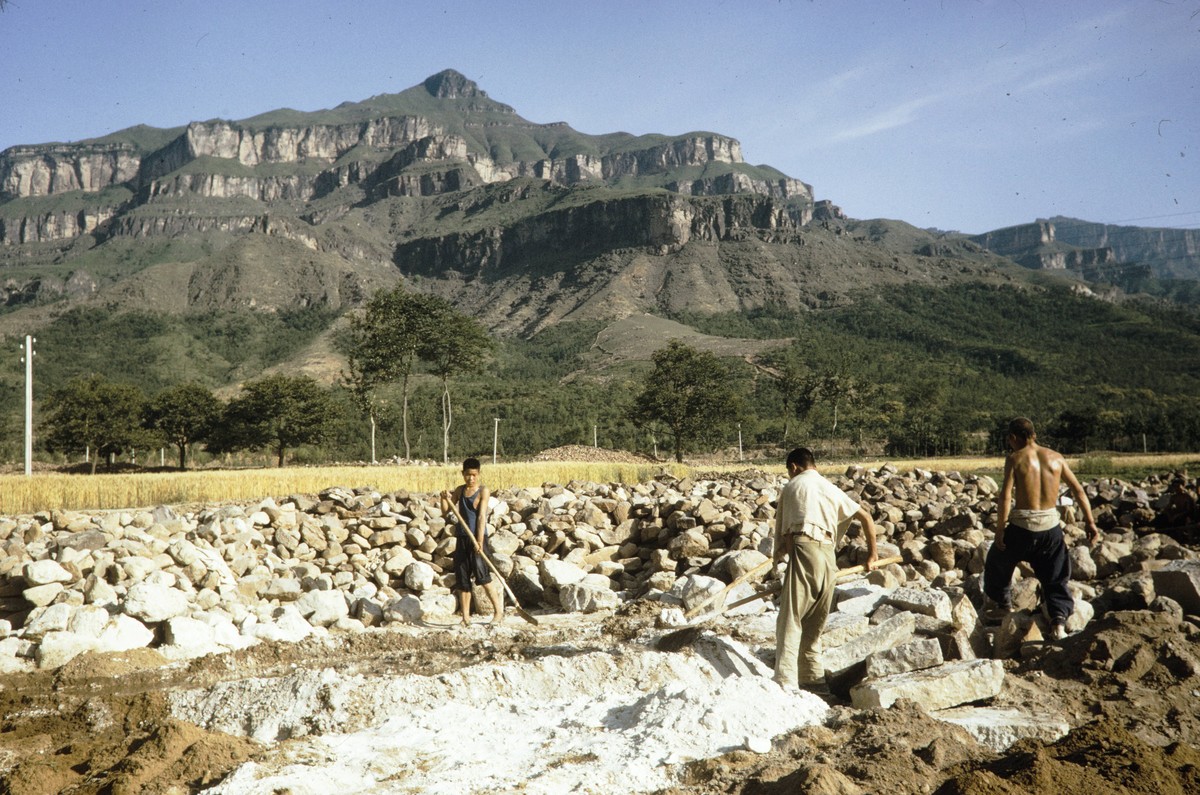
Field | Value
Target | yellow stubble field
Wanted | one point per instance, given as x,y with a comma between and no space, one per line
49,491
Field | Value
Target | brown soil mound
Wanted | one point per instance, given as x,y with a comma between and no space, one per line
1101,758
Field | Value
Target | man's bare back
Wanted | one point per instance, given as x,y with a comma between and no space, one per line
1037,476
1032,477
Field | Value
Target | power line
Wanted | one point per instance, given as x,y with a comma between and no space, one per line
1152,217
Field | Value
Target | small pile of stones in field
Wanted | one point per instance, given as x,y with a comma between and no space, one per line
227,577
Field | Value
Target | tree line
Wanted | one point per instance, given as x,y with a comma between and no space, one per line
918,374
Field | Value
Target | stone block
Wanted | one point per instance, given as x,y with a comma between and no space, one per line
926,602
845,664
1180,580
947,685
59,648
861,599
998,728
915,655
153,603
587,597
841,628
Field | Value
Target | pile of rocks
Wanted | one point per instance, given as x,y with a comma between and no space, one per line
226,577
579,452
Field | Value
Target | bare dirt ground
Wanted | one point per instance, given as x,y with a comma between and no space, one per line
1129,683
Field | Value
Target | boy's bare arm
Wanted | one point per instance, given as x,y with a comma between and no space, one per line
1082,499
868,524
1005,501
482,515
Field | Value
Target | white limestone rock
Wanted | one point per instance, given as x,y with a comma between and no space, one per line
153,603
947,685
419,576
915,655
587,597
407,609
59,648
123,633
323,608
998,728
556,574
43,572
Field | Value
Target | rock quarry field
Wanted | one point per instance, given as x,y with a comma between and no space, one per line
308,644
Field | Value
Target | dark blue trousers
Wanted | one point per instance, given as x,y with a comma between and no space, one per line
1046,553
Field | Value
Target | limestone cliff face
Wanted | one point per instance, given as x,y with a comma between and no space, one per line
60,168
52,226
1067,243
1018,238
660,223
1170,253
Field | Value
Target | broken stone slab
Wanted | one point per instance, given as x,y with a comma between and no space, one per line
859,599
1180,580
915,655
844,665
998,728
926,602
588,596
947,685
841,628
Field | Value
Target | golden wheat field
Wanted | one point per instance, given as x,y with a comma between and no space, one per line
48,491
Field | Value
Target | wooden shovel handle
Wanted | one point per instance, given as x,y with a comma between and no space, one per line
777,587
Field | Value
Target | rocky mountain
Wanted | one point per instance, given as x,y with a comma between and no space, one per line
1098,250
444,188
449,191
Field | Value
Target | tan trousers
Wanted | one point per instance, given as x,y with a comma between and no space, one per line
804,605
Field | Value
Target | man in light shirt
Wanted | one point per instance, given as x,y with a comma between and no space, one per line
810,511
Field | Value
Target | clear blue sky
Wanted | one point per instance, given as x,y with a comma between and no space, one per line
957,114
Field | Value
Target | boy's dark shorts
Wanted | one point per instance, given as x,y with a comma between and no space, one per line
468,566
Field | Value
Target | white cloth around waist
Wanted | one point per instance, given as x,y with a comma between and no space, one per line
1035,520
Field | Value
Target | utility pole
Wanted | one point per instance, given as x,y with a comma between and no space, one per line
495,437
595,443
739,441
28,360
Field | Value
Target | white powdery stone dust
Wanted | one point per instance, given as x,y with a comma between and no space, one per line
601,722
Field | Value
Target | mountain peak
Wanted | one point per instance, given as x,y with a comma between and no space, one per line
449,84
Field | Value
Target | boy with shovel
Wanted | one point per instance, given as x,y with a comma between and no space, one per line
471,502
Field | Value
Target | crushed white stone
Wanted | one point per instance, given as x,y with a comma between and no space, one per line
601,722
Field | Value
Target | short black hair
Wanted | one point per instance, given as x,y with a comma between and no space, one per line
801,458
1022,428
470,463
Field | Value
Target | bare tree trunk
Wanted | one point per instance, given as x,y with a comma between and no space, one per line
404,418
371,417
446,419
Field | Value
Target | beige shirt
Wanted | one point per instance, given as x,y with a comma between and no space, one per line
812,506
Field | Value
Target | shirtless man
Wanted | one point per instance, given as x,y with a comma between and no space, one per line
1032,530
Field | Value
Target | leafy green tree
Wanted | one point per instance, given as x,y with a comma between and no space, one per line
184,414
795,386
691,393
92,413
456,344
277,412
384,344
